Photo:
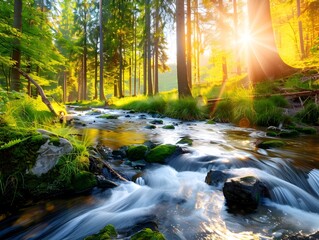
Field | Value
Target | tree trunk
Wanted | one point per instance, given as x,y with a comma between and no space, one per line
183,88
148,49
238,62
189,44
120,90
95,72
45,100
85,94
16,54
301,42
156,52
102,96
264,62
223,39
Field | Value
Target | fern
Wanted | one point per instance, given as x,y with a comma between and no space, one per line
12,143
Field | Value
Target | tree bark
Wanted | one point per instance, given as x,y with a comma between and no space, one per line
102,96
156,51
264,62
301,42
45,100
182,83
189,44
16,54
148,49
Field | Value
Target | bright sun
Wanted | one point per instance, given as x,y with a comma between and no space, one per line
245,38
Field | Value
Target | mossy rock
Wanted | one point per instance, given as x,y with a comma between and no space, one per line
148,234
156,121
186,140
150,126
169,127
135,153
55,141
272,134
160,153
210,121
106,233
271,144
288,133
83,181
108,116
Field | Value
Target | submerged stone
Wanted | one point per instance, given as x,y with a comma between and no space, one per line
169,127
156,121
214,178
270,144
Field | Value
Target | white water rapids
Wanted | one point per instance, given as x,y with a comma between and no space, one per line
176,197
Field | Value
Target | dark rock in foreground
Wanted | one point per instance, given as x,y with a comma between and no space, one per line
214,178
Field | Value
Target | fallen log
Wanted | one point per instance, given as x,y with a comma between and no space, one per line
44,98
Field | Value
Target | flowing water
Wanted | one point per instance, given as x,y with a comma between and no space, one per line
176,197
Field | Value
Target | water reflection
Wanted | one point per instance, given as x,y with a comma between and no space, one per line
115,139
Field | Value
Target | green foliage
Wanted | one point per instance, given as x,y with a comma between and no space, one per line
267,114
150,105
223,111
279,101
27,111
83,180
160,153
185,109
310,114
148,234
138,152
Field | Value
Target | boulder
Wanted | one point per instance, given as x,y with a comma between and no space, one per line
49,155
243,194
156,121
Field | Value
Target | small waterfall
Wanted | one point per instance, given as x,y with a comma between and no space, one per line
140,181
314,180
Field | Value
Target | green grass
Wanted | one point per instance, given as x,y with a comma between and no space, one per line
310,114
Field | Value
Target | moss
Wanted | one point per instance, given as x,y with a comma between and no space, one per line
148,234
169,127
210,121
108,116
271,144
288,133
55,141
108,232
160,153
272,134
136,152
186,140
83,181
150,126
156,121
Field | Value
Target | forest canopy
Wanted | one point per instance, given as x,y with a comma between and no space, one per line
84,50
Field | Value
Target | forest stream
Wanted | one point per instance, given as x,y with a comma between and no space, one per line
175,195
